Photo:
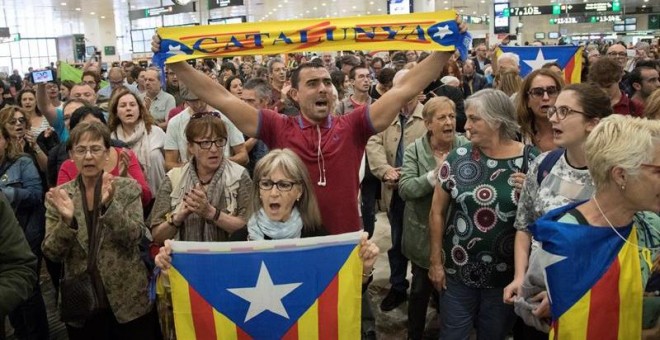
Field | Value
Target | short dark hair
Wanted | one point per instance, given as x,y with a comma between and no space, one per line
295,74
386,76
377,60
135,72
351,73
605,71
228,66
80,113
635,75
227,83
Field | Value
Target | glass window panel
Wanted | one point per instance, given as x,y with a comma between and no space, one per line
136,35
15,49
43,46
34,47
44,61
25,48
4,50
52,46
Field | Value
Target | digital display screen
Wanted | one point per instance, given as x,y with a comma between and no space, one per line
553,35
539,35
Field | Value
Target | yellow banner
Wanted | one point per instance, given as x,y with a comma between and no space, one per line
418,31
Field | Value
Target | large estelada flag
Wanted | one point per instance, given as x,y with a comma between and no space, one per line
437,31
593,278
283,289
568,57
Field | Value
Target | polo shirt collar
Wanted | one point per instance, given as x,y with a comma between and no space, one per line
304,123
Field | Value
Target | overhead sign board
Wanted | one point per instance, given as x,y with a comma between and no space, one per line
164,10
224,3
563,8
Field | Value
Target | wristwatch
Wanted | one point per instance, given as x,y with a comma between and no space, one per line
169,218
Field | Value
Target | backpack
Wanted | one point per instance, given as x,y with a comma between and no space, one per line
547,163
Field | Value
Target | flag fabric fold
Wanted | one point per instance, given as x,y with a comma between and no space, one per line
568,57
593,278
283,289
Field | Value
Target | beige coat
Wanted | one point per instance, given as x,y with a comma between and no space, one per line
381,148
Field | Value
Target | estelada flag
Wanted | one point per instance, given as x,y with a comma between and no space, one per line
593,277
568,57
282,289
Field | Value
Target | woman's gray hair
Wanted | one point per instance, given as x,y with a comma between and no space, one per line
623,141
496,108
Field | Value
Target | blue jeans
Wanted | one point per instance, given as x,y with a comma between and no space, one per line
398,261
463,308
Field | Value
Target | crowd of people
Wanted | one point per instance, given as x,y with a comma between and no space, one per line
473,163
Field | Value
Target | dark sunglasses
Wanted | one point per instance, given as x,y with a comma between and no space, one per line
20,120
538,92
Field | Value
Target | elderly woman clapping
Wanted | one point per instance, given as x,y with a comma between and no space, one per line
93,226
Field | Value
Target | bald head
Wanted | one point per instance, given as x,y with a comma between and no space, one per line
398,76
116,77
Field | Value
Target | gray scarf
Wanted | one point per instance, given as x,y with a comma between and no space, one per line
197,228
260,226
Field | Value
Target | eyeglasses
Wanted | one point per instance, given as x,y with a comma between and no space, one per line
653,166
562,112
204,114
95,151
266,184
537,92
20,120
617,54
206,144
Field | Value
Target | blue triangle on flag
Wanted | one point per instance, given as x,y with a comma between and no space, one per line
211,275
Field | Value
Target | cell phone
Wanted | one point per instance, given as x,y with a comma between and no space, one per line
631,53
42,76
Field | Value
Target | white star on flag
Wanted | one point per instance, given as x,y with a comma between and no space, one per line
539,61
265,295
443,31
547,259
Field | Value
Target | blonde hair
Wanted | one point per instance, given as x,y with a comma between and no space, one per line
652,107
508,81
292,167
435,104
622,141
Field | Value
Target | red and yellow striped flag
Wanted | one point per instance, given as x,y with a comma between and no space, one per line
289,289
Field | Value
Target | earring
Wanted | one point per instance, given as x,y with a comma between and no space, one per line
623,187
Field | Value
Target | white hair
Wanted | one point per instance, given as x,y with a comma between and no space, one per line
508,55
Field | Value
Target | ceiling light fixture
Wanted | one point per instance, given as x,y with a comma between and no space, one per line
77,8
63,3
92,13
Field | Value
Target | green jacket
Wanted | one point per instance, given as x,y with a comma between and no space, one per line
415,189
17,262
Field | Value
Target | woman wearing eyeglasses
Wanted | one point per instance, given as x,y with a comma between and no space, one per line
93,226
206,199
17,124
283,206
131,123
556,178
538,92
120,161
597,254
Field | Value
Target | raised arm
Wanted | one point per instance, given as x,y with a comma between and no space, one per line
244,116
45,106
